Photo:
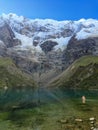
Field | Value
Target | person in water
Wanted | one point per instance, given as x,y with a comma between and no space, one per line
83,99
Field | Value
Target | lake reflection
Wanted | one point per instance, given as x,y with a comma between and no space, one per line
32,98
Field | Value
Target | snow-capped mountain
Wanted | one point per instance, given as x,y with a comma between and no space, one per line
43,40
33,33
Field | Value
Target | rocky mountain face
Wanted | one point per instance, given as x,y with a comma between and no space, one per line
39,46
12,77
78,48
7,36
83,73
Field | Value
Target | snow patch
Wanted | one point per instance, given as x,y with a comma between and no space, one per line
27,43
62,43
13,16
85,33
49,22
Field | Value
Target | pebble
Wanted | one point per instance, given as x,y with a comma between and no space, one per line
78,120
92,119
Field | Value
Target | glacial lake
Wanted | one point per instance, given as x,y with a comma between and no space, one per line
42,109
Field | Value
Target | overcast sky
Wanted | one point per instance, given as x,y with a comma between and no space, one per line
52,9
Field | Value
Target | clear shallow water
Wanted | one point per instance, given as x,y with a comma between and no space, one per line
41,109
25,97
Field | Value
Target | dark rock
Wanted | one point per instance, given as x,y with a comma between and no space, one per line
3,49
26,64
7,36
48,45
66,33
36,41
78,48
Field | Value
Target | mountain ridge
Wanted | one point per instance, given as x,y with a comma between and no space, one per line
37,31
82,74
45,27
11,77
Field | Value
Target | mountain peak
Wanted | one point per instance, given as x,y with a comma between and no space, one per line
12,16
51,21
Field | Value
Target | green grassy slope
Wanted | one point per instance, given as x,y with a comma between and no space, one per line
11,76
83,73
